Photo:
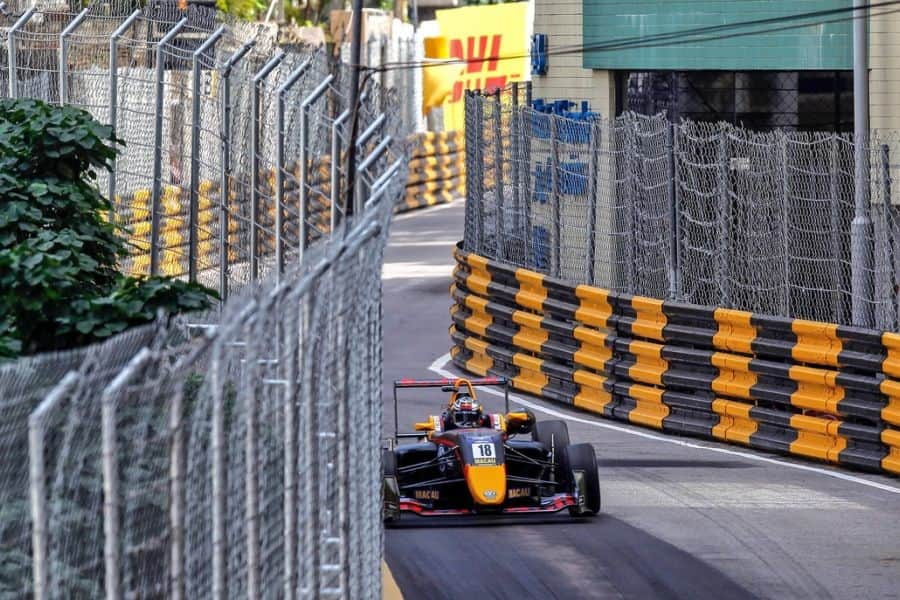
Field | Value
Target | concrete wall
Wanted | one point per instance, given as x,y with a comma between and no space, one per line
561,20
884,74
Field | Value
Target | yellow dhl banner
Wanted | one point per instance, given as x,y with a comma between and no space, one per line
493,40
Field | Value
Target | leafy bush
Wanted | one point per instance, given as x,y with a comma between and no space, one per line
59,282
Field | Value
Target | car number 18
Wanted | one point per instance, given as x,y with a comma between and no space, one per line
483,450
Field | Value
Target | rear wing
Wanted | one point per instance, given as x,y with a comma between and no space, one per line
434,383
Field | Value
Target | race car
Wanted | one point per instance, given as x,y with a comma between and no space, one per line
467,462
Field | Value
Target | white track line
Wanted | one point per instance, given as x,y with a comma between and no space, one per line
438,367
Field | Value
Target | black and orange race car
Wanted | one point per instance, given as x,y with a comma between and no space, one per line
467,462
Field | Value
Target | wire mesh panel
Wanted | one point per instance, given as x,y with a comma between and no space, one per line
708,213
238,462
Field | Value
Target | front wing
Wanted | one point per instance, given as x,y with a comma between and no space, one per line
550,504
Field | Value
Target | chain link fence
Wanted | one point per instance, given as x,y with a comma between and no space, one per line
234,454
706,213
226,168
231,456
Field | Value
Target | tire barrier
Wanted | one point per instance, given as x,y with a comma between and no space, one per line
789,386
437,169
436,176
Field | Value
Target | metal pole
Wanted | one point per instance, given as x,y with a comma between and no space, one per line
64,56
499,233
335,166
38,483
861,243
255,162
114,95
177,486
526,116
889,241
593,151
304,159
355,59
293,78
108,403
363,138
157,148
479,166
722,224
195,150
785,225
675,269
556,244
225,178
362,189
219,450
11,50
837,233
515,141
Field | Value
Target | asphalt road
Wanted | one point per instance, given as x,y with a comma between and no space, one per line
682,518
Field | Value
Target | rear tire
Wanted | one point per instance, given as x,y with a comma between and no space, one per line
582,457
552,434
390,510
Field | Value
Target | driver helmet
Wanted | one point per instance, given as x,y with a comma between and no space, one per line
465,411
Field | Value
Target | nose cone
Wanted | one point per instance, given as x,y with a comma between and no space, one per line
487,484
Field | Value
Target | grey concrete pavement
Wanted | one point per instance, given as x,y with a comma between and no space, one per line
681,518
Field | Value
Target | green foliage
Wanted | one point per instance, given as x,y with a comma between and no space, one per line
243,9
59,282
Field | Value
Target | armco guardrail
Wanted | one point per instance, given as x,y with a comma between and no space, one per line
437,169
798,387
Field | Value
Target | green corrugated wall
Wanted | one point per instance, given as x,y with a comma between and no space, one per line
826,46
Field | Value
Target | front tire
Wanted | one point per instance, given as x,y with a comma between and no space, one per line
580,466
552,434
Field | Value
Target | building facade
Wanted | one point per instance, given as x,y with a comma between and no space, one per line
749,62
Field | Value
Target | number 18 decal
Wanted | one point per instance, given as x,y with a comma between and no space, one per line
484,453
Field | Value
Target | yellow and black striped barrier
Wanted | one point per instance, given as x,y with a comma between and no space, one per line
437,169
436,176
790,386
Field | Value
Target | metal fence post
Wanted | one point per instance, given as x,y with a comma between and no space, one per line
889,241
11,50
514,143
722,224
469,132
336,167
837,232
38,483
255,162
64,56
109,399
556,245
499,233
675,270
219,449
114,96
593,152
280,167
527,132
195,150
157,148
479,166
225,175
177,487
362,188
785,307
304,159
